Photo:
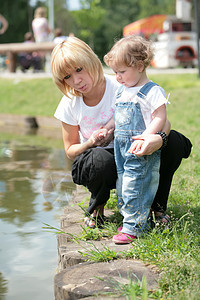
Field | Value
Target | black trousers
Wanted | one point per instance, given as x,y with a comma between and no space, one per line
96,170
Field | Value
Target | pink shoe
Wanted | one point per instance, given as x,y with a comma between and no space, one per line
119,229
123,238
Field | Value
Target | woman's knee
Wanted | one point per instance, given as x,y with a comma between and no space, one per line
94,164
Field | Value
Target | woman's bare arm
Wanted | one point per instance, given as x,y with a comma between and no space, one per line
4,23
72,145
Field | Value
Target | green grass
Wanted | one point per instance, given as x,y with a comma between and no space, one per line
36,97
174,250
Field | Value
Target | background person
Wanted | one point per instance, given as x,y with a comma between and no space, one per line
42,32
30,59
88,103
59,36
3,24
40,26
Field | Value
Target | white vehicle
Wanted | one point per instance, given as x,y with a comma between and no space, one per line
174,37
176,46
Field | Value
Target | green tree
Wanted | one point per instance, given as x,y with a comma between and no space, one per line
62,17
117,16
154,7
89,19
17,15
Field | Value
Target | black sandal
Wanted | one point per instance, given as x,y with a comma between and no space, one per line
96,221
101,220
87,223
160,218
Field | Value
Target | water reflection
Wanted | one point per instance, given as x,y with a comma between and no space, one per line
35,184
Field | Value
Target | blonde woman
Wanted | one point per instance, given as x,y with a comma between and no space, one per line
87,105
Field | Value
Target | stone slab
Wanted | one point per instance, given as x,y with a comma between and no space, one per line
90,279
76,278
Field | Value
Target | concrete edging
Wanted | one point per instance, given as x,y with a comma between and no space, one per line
78,279
29,121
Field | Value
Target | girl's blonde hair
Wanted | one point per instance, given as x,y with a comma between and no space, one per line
129,51
70,55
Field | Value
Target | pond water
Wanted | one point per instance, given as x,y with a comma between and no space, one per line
35,185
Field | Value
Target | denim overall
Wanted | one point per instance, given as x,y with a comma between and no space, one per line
138,177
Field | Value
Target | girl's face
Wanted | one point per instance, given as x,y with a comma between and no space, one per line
129,76
80,80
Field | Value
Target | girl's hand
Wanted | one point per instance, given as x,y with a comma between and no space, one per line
97,136
108,138
101,137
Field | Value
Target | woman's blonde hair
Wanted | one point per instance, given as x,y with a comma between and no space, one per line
129,51
70,55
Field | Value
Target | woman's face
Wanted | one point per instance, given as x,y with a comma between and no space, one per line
80,80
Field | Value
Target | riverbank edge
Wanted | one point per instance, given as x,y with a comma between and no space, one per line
75,278
29,121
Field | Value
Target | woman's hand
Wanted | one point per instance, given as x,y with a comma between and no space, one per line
151,143
136,146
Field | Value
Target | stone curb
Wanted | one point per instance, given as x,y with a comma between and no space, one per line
21,124
29,121
78,279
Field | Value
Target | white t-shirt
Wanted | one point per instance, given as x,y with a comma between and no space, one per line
40,29
155,98
89,118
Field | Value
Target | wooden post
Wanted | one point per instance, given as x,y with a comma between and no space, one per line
11,61
12,49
